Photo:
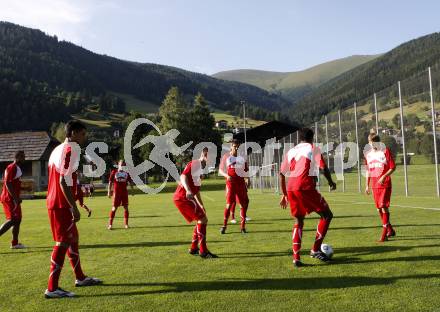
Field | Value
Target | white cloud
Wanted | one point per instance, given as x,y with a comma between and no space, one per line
63,18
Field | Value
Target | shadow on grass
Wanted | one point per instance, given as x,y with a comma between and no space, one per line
313,218
131,245
350,228
123,245
353,260
379,249
256,254
120,217
258,284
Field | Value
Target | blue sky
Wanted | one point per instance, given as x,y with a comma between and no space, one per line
214,35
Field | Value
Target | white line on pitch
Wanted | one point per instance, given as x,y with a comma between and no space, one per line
208,197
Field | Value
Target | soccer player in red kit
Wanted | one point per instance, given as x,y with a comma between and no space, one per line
10,199
380,166
117,187
63,212
234,170
300,166
188,200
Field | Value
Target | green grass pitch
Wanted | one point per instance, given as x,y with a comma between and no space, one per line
147,266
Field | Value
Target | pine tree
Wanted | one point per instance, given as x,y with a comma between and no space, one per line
201,122
173,114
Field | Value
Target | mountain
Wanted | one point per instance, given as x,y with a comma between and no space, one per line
293,85
39,72
410,59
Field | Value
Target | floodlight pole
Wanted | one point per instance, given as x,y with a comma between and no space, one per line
402,128
316,145
244,123
357,148
326,144
342,150
326,141
376,114
434,133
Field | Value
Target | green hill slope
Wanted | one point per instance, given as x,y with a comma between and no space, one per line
405,61
294,84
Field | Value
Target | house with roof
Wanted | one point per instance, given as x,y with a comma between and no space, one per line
37,146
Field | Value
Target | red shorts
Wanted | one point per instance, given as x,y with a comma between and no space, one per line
303,203
190,209
12,211
237,191
120,200
63,228
382,197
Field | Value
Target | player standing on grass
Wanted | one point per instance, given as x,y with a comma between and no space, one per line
300,166
117,187
234,168
380,166
63,212
188,200
10,198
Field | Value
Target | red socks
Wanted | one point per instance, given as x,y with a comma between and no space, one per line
73,254
385,219
321,231
233,211
243,217
226,216
112,216
57,261
201,233
387,228
195,239
380,213
296,240
126,216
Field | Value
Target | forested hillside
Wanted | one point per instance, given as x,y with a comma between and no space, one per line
40,74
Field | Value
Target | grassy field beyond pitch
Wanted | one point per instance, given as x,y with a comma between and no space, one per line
147,267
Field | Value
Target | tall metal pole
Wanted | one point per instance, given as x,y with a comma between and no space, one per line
357,148
326,141
316,144
342,151
376,114
297,137
244,123
402,128
278,169
326,144
434,133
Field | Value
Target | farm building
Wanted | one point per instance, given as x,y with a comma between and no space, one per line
37,146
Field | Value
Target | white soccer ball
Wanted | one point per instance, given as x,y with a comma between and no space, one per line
327,250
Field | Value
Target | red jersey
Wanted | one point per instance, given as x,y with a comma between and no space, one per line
120,179
61,163
12,175
378,162
300,165
192,171
235,167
